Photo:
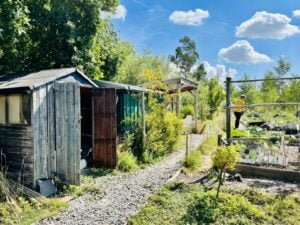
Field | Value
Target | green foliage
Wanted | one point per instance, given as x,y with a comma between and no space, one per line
17,207
87,185
126,161
187,110
31,211
193,161
163,132
215,95
225,158
209,145
230,209
239,133
41,34
250,90
200,73
192,204
185,56
133,68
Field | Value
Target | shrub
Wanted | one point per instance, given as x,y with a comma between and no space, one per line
126,161
230,209
179,203
224,158
187,110
193,160
164,129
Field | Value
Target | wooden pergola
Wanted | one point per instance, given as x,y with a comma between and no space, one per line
179,85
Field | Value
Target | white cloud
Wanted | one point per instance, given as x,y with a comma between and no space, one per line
266,25
119,13
190,18
242,52
218,71
296,13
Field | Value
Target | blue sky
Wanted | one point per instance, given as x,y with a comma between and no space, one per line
245,36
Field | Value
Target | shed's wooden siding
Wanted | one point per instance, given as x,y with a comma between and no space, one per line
56,126
16,143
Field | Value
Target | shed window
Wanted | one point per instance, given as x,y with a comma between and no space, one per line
12,109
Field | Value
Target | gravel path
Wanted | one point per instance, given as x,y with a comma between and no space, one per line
123,194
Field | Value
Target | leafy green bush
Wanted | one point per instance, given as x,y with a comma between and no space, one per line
229,210
187,110
239,133
193,160
224,158
164,129
126,161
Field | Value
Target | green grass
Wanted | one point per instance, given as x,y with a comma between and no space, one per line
193,161
30,211
88,184
126,161
209,145
191,204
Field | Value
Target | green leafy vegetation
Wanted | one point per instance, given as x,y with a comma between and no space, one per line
209,145
192,204
193,161
185,56
23,206
164,129
87,185
126,162
225,158
239,133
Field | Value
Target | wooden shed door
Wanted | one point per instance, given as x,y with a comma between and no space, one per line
67,132
104,128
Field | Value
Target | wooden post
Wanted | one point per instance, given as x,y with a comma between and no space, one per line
187,144
196,110
143,119
219,139
178,100
228,116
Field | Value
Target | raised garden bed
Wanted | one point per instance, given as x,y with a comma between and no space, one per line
247,170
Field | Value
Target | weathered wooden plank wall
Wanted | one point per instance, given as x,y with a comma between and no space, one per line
16,143
104,128
68,131
56,125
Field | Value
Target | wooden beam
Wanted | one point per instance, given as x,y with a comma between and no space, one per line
264,105
269,79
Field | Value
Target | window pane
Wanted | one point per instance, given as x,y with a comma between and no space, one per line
2,109
14,108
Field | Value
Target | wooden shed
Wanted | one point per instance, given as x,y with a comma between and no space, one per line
43,122
129,104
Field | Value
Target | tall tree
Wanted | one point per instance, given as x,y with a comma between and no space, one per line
282,68
57,33
14,40
185,56
269,89
133,67
200,73
215,95
250,90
